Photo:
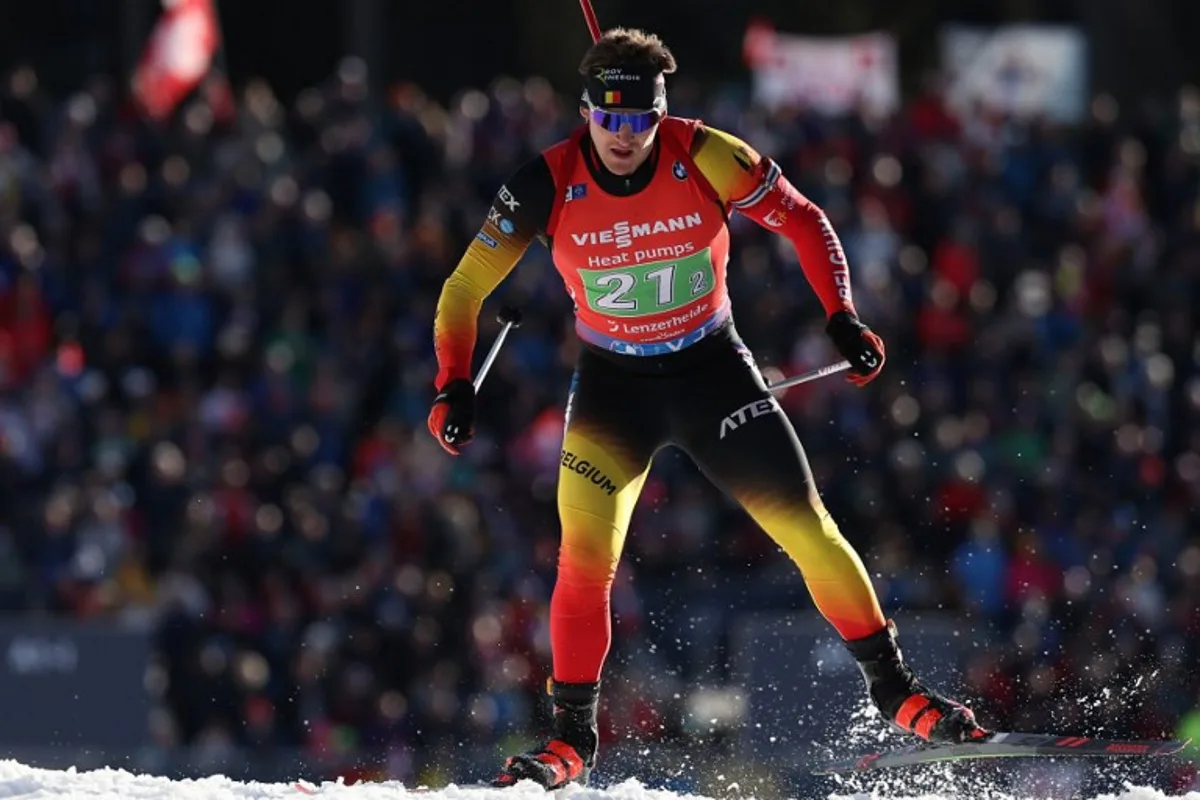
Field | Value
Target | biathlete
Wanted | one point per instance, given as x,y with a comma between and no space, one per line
634,208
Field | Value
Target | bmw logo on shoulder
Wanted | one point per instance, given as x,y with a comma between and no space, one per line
678,171
506,226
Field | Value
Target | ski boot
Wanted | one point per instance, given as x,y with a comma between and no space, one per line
570,754
903,699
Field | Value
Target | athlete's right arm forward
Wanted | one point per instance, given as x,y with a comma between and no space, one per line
512,223
483,266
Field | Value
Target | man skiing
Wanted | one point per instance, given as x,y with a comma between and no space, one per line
634,208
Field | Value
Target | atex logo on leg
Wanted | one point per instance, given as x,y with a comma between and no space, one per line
748,412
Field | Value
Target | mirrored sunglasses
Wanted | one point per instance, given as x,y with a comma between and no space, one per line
638,121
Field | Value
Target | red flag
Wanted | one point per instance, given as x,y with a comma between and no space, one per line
177,56
758,42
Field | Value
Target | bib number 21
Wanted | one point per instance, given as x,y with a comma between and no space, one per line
630,292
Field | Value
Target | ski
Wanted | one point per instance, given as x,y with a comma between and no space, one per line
312,789
1004,744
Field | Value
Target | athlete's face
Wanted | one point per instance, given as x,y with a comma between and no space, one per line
621,152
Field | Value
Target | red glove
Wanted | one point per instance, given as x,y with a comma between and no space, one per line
859,345
452,418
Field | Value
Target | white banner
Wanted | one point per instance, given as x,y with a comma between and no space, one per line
834,75
1021,69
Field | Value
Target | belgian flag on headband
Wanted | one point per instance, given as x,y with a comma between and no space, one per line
612,98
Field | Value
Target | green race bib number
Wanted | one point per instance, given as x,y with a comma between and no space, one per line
648,289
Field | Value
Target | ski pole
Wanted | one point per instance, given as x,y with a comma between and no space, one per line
509,317
590,16
811,375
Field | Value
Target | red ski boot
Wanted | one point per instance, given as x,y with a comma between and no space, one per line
903,699
571,753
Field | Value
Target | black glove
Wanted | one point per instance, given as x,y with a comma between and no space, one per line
859,345
452,418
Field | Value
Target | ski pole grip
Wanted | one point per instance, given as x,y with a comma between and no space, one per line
509,315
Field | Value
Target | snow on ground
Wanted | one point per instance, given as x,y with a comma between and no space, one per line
20,781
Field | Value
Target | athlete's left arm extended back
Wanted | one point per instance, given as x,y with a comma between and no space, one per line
754,186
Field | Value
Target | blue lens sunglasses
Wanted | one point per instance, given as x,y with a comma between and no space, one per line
638,121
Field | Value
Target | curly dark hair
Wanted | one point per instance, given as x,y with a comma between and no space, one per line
627,47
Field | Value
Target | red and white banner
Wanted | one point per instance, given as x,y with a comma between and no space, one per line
177,56
1025,70
834,75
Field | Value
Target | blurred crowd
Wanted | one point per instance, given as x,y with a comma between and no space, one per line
216,362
